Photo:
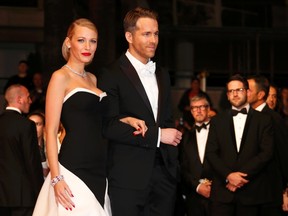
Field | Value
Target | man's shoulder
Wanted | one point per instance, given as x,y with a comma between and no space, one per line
15,121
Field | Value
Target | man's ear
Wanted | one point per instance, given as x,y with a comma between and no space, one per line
261,95
19,99
129,37
248,92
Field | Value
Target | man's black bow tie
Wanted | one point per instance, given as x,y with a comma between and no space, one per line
198,128
235,112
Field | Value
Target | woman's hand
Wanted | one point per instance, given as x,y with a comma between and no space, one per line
63,194
138,124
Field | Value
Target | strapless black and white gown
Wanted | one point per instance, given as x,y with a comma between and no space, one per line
82,158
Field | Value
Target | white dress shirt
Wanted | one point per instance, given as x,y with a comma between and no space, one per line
239,123
149,82
150,85
202,140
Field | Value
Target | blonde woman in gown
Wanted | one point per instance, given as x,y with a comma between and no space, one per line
79,171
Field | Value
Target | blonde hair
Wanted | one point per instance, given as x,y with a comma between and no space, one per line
83,22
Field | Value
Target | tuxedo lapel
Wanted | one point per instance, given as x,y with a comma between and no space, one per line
132,75
232,131
194,146
191,149
160,90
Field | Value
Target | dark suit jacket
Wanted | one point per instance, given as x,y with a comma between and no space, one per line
21,176
192,170
131,158
278,168
253,158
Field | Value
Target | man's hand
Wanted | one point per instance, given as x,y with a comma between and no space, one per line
231,187
205,189
237,179
170,136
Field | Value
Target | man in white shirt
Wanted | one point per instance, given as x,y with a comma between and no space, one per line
142,170
239,149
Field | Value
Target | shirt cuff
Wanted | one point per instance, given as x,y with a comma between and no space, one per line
159,135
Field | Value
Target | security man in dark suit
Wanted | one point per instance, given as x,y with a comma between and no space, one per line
259,89
21,175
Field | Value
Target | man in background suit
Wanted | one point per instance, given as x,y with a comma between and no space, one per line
239,149
195,169
21,175
259,89
142,170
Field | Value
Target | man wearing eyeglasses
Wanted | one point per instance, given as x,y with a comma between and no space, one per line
239,149
195,170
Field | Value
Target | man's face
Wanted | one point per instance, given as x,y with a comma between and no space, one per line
24,100
272,97
195,85
200,110
236,93
22,68
253,96
144,39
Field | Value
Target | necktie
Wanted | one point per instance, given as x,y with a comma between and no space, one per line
198,128
149,68
235,112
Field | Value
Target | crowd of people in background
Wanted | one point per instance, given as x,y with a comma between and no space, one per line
232,162
202,167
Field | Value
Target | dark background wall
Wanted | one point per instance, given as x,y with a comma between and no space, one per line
220,37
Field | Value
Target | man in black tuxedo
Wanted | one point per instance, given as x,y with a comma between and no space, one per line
142,170
195,169
20,164
259,89
239,149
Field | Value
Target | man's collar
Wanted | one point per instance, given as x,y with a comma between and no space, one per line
261,107
134,61
13,108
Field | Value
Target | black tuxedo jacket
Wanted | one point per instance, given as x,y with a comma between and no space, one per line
21,174
131,158
278,171
253,158
192,170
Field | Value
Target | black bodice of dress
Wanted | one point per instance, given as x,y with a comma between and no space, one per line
84,150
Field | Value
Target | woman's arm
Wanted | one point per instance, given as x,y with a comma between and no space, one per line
54,101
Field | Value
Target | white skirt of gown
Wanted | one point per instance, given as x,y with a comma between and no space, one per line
85,201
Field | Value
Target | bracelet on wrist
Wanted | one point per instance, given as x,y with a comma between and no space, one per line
56,179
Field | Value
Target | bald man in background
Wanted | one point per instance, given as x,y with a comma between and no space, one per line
20,164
